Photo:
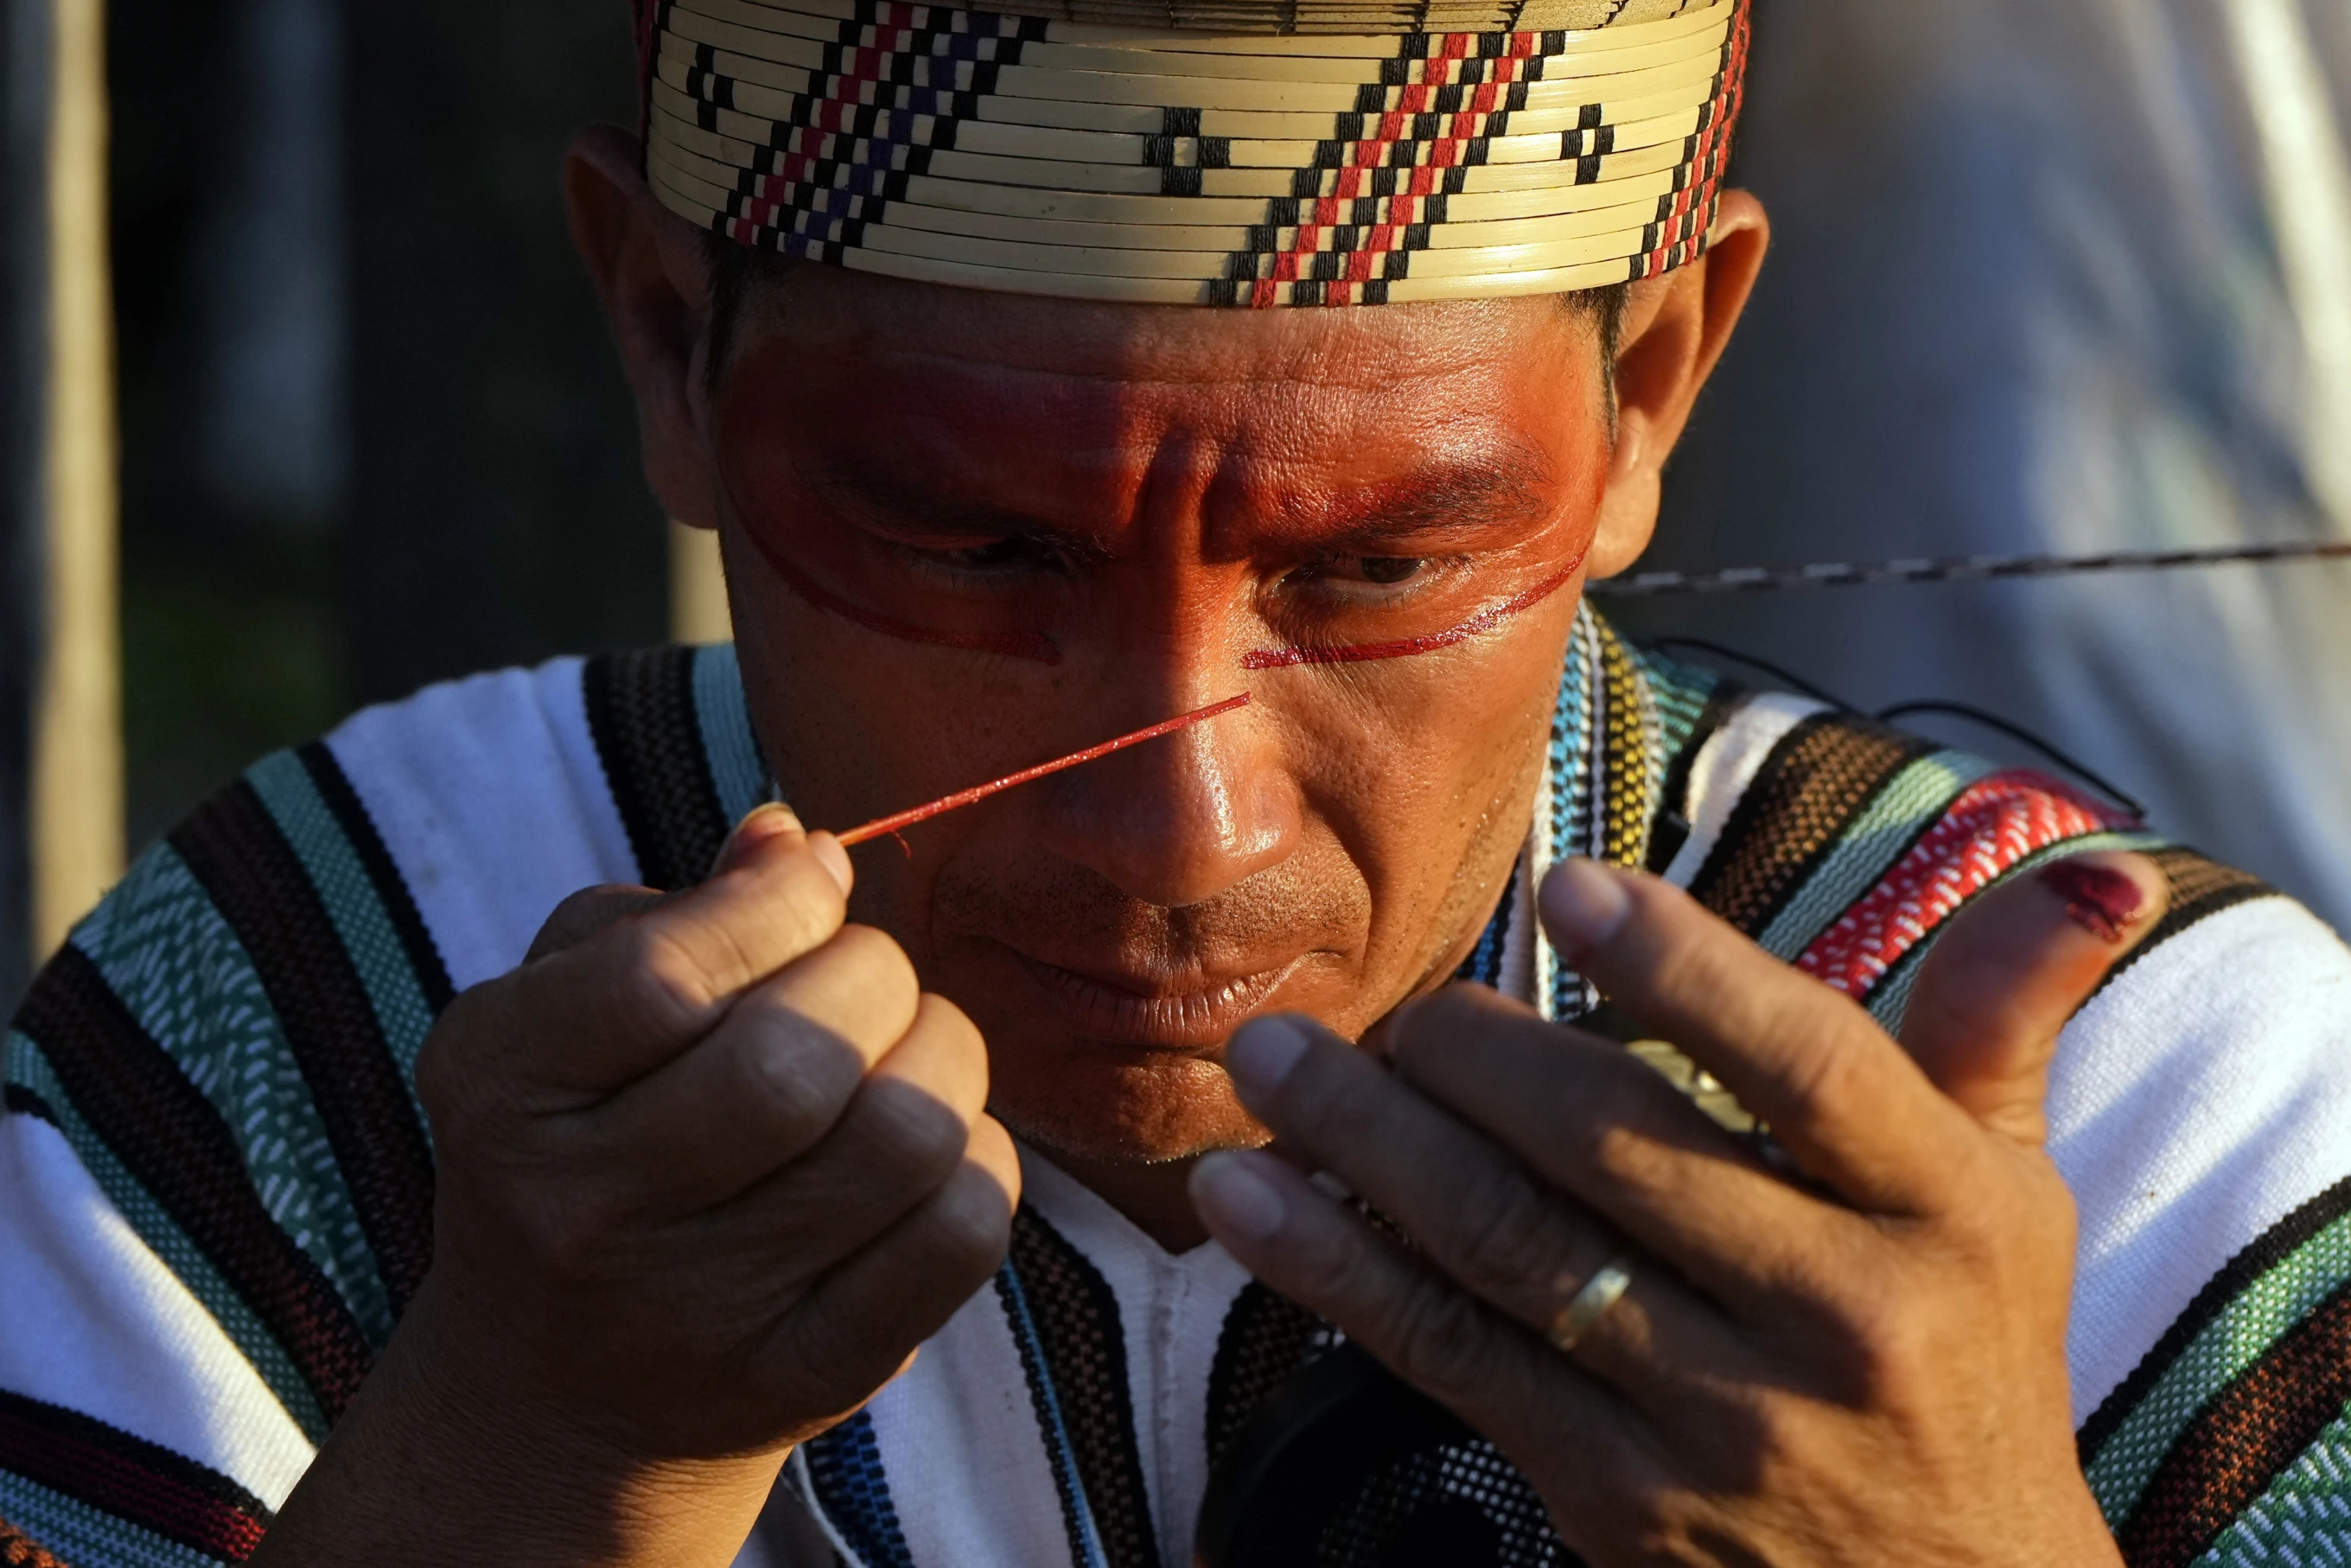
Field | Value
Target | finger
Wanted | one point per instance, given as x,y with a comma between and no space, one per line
907,1129
587,914
1852,1112
601,1014
1484,1219
765,1086
1593,1121
2011,972
1512,1387
857,1326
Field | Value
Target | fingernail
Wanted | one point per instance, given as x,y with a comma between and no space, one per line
1261,1057
1234,1198
1583,904
2098,899
764,822
835,859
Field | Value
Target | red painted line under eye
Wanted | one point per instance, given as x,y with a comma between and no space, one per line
1477,625
1034,646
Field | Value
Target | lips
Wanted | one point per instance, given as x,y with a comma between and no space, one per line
1187,1013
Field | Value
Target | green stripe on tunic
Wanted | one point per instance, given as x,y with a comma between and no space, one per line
2244,1332
2304,1519
179,969
362,925
78,1535
29,1068
1908,806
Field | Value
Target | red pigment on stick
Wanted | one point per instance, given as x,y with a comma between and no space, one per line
889,825
1477,625
2101,902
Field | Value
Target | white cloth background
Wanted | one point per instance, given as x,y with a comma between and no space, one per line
2056,275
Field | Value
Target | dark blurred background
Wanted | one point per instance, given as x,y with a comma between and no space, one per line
374,431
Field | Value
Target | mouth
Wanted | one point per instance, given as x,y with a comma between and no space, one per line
1188,1014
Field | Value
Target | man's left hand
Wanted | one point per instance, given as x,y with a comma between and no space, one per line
1859,1361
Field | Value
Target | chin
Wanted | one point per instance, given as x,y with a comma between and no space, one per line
1104,1106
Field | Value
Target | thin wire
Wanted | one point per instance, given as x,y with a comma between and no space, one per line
1785,677
1967,569
1904,710
2019,733
885,826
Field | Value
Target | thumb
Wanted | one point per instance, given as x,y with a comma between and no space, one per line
2011,973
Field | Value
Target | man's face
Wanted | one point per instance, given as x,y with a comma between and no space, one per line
967,532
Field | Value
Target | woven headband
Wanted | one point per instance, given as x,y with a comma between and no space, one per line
1253,153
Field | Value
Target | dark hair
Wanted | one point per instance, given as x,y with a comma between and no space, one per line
737,270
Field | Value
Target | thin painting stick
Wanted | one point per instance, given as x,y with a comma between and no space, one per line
889,825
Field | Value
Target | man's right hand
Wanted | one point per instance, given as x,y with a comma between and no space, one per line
710,1167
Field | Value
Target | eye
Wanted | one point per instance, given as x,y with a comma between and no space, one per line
1376,570
1013,553
1385,570
1002,552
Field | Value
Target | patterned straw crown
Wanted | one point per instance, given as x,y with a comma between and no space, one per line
1252,152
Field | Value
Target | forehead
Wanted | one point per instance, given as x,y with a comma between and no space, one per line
923,381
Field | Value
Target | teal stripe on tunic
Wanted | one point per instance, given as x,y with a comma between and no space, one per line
2244,1332
362,925
1908,804
2304,1519
719,708
1889,1004
1678,694
178,967
80,1537
30,1068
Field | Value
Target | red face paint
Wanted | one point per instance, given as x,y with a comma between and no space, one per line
759,400
1031,645
1477,625
2101,902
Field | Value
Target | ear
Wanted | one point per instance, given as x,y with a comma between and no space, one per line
1676,328
649,266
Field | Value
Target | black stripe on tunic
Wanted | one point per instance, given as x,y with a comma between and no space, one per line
130,1479
176,1144
649,736
390,890
255,880
1823,774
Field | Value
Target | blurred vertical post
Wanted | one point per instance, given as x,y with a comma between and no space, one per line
76,806
697,588
24,338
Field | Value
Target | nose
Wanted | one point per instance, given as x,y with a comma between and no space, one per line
1178,821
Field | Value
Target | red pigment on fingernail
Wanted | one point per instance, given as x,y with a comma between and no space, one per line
1477,625
2101,902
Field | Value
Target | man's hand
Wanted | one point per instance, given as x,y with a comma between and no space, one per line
1866,1365
710,1167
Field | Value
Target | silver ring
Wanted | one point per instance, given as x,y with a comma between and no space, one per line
1595,1301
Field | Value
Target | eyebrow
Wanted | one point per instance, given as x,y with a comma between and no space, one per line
1451,497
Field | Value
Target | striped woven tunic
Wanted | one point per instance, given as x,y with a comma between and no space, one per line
215,1183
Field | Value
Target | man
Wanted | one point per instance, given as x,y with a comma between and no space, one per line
374,1192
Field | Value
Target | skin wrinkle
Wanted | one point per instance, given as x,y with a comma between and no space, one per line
1348,833
1449,497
